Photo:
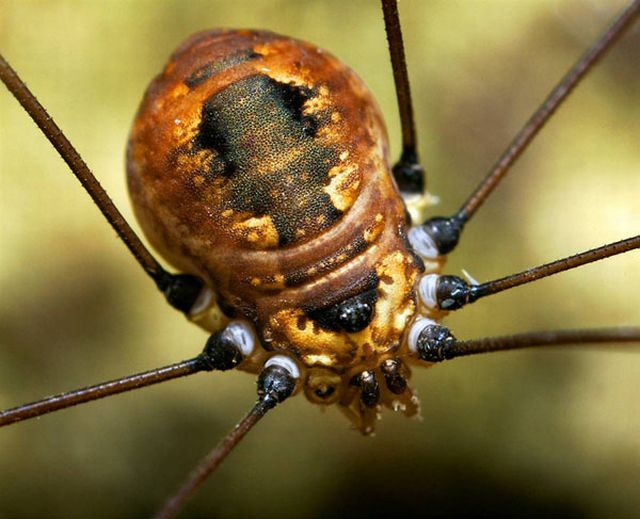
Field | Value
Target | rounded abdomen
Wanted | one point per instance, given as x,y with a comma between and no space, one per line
258,162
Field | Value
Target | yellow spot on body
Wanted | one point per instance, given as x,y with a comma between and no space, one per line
319,102
198,180
259,232
322,360
256,282
344,155
227,213
179,90
369,235
372,232
343,187
335,117
179,133
281,76
194,164
395,309
262,48
279,278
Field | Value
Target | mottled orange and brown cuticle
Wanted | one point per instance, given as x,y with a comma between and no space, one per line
259,163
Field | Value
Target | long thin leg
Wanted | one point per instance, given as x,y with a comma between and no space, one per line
437,344
210,462
275,384
554,267
547,338
547,109
113,387
408,173
223,350
446,231
453,292
181,290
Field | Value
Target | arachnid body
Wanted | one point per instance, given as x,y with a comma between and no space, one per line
457,399
260,164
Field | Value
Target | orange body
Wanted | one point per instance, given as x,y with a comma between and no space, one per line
259,163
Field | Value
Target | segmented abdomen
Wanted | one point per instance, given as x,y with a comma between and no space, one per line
272,174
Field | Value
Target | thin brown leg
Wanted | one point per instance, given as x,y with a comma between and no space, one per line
181,290
445,231
436,343
547,109
275,385
113,387
408,173
453,292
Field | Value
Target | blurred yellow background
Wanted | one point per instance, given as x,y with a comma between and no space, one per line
527,433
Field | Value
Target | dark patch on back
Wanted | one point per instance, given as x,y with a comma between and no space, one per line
265,146
214,67
294,98
210,137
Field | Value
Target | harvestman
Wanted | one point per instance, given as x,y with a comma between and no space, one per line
441,234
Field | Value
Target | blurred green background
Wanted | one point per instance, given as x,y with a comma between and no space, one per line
523,434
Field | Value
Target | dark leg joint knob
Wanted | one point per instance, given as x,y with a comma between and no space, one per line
229,347
221,352
369,388
409,174
453,292
276,383
392,371
181,290
445,232
436,343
